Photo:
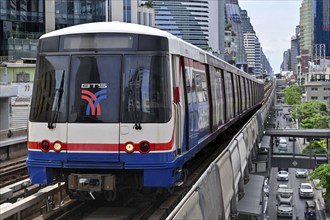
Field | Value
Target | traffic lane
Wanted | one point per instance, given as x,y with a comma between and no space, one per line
272,202
294,182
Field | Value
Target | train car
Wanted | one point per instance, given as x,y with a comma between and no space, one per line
118,105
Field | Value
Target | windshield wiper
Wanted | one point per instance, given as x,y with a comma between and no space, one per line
57,105
137,124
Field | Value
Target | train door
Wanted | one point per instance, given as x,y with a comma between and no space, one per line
94,100
180,103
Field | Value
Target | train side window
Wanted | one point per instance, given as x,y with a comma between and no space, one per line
201,86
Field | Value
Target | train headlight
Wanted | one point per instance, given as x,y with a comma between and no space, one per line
129,148
144,147
45,145
57,147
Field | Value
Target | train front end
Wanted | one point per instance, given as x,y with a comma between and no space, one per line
101,113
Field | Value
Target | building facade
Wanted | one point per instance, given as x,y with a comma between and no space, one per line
188,20
21,25
306,26
250,50
317,84
322,24
233,16
23,22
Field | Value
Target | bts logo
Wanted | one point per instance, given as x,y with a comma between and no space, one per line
93,107
94,85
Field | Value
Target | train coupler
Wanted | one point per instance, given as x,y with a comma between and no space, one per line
91,182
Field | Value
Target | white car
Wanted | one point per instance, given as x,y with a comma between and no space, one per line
283,175
306,190
284,208
284,194
282,186
301,173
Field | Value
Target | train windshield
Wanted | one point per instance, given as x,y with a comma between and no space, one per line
94,90
146,90
49,89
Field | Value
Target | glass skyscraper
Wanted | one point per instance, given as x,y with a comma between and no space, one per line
187,20
22,22
322,24
233,13
21,25
72,12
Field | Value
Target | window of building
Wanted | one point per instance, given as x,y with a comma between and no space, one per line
326,97
326,88
313,97
23,77
314,88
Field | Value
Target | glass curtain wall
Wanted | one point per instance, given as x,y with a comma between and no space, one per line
72,12
21,24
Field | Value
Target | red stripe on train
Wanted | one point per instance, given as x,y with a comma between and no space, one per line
104,147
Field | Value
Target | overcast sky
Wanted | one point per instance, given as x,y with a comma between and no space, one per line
274,22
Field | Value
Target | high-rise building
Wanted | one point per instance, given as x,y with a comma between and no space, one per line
245,22
21,25
295,51
286,64
250,50
322,24
306,26
233,16
315,25
257,67
23,22
187,20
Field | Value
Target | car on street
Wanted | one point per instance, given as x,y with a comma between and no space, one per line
282,186
301,173
283,175
283,145
284,207
282,148
284,193
306,190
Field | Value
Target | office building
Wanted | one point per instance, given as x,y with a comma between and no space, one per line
23,22
306,26
322,25
233,16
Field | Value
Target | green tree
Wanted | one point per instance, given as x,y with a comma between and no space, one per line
292,95
311,114
322,173
318,147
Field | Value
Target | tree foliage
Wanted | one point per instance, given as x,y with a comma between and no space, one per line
318,147
322,173
292,95
312,114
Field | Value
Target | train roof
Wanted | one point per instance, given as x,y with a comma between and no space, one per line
109,27
177,45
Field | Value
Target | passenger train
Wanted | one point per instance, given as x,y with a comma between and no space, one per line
118,104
